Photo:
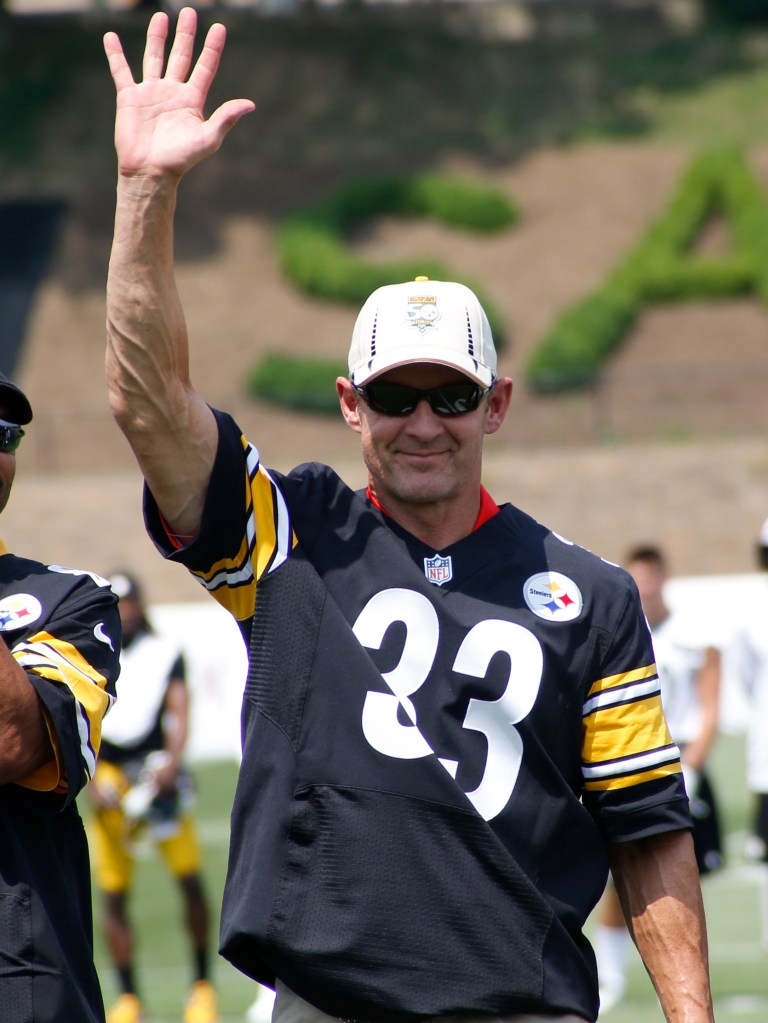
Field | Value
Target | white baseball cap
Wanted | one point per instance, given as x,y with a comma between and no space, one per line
422,321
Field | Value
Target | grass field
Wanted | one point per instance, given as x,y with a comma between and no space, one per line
734,904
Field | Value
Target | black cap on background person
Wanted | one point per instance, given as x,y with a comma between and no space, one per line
125,585
14,402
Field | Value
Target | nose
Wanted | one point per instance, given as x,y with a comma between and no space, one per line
423,422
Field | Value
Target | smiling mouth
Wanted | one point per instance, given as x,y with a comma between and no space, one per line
422,456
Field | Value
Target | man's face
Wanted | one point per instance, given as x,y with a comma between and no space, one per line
131,615
424,458
649,578
7,468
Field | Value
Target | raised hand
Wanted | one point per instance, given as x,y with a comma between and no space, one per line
160,128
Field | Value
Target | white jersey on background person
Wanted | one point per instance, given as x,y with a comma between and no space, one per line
679,648
751,651
146,666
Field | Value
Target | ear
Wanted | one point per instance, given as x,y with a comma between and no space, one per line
348,403
498,404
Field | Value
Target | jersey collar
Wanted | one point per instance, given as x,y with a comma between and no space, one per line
488,507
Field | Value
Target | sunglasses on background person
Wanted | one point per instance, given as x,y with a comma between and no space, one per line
391,399
10,436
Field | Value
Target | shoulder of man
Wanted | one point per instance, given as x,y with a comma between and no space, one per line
49,585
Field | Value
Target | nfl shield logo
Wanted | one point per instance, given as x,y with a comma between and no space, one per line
438,570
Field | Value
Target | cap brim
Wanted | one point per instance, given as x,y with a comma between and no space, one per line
466,365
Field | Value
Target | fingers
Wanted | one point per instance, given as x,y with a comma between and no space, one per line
225,117
118,65
207,64
180,58
154,50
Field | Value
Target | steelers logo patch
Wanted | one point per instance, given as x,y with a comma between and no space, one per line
19,610
553,597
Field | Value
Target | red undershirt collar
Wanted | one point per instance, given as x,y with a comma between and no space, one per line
488,507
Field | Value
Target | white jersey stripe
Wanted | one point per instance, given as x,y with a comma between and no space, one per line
631,764
622,694
228,577
84,730
282,526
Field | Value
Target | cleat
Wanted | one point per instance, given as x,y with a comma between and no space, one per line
202,1004
127,1009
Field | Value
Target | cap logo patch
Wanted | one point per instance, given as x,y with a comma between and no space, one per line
423,312
553,597
438,569
18,610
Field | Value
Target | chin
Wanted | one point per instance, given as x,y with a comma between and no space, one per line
424,491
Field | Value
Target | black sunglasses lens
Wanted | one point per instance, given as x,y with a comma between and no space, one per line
10,438
399,400
455,399
391,399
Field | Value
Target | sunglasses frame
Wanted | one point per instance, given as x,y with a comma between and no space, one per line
10,437
431,395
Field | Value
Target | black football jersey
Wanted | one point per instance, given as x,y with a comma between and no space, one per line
63,628
438,747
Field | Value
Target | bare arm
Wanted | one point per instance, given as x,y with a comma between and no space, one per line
658,885
708,692
160,134
176,731
24,741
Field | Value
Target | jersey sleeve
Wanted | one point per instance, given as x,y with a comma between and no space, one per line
73,664
630,765
245,532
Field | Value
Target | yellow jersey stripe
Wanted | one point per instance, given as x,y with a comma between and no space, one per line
60,661
626,739
265,546
624,679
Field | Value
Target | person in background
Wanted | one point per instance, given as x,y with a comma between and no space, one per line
59,660
141,786
451,723
689,669
752,666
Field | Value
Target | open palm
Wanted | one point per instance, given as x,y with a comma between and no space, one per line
160,125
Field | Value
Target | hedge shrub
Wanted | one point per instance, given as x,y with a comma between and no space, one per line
313,250
662,268
303,384
314,255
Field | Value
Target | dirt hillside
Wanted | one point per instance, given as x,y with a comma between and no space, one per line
664,451
670,447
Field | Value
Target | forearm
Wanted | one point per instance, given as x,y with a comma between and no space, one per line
659,888
24,741
147,355
169,427
177,721
708,693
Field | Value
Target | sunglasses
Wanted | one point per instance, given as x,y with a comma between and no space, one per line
398,400
10,436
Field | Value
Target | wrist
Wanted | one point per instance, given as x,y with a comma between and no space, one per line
140,186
